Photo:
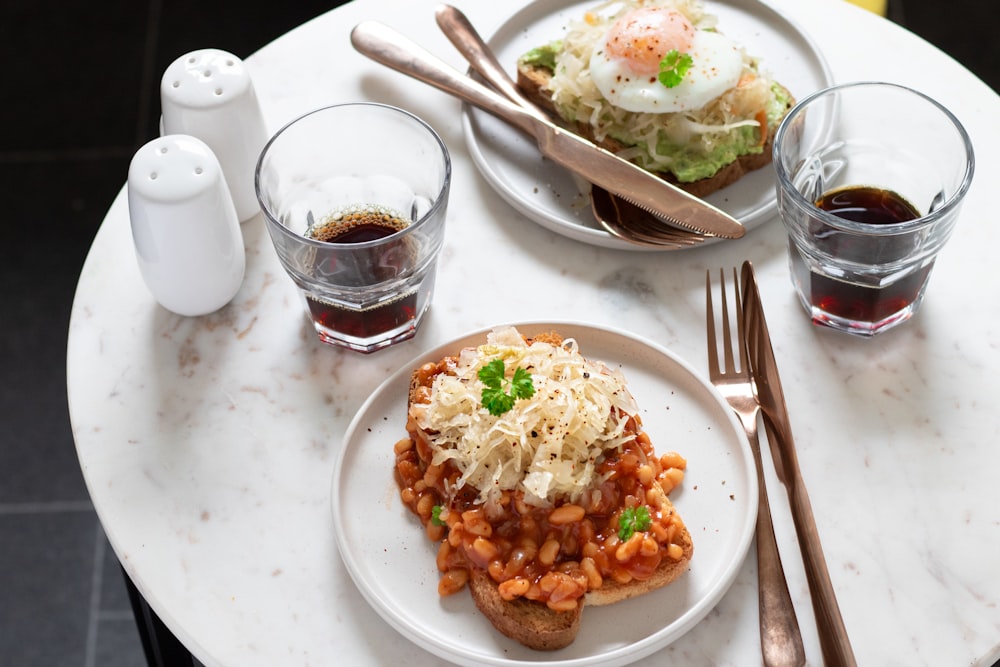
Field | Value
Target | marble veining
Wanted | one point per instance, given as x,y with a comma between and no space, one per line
208,443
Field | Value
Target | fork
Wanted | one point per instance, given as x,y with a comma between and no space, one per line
780,639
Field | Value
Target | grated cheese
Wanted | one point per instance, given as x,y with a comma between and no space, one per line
547,446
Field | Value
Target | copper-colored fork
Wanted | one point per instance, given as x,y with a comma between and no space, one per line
781,641
833,639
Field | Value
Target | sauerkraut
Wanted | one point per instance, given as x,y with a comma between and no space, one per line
691,144
548,445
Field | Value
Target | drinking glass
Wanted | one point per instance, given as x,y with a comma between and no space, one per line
871,177
354,198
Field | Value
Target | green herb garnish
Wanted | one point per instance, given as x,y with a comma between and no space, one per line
673,67
631,520
496,398
436,516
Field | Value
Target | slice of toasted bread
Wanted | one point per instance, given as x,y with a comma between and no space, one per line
534,83
538,627
533,623
530,623
669,570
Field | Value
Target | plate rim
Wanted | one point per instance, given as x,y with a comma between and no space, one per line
618,655
565,225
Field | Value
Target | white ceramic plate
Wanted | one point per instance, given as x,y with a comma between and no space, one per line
558,200
393,563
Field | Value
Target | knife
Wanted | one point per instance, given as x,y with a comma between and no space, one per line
462,34
603,168
834,642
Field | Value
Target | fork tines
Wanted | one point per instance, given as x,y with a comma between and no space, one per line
730,367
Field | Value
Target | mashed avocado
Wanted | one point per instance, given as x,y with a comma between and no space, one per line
690,163
691,157
543,56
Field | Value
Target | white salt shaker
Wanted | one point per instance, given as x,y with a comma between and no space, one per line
187,236
208,94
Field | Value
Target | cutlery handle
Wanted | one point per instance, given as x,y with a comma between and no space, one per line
457,28
388,47
833,639
780,638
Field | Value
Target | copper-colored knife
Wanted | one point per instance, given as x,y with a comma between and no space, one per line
388,47
835,644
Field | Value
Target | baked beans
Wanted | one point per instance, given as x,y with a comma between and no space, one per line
552,555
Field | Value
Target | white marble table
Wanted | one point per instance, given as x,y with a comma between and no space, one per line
208,444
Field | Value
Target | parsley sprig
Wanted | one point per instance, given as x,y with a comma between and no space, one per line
496,398
673,67
631,520
436,516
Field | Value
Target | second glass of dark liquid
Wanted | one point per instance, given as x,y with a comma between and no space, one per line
871,177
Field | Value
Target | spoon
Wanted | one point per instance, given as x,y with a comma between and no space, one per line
619,218
631,223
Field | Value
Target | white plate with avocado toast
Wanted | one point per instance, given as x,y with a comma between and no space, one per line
392,562
557,199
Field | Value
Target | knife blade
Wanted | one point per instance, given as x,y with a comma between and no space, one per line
571,151
834,642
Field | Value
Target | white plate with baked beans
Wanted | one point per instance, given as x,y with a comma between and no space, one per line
392,562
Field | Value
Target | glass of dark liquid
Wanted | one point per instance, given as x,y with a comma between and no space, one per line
871,177
354,197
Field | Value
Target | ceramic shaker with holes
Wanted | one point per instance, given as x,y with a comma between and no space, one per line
208,94
187,236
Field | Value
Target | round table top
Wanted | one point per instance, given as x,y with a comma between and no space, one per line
208,444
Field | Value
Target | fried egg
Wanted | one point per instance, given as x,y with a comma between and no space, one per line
625,67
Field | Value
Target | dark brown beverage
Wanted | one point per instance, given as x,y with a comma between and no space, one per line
872,206
365,266
366,322
848,300
358,225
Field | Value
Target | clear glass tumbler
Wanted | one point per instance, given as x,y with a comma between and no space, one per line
354,197
871,177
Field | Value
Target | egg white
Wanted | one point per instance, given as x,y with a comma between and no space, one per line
717,67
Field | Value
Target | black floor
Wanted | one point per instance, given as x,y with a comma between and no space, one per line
79,97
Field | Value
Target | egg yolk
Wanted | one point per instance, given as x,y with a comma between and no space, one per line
644,36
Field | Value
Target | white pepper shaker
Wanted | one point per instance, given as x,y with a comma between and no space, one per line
187,236
208,94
